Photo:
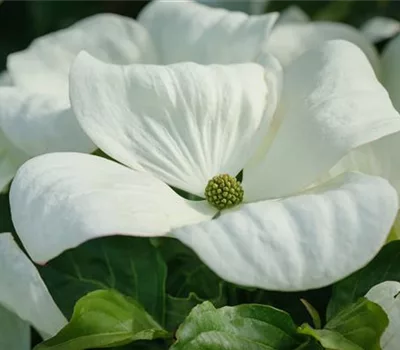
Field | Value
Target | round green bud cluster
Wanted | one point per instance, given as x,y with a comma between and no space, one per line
224,191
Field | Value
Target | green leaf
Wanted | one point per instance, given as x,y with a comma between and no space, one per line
361,323
251,327
313,313
189,283
133,266
105,318
179,308
329,339
384,267
288,301
334,11
187,273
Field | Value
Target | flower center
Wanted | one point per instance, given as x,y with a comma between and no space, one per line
223,192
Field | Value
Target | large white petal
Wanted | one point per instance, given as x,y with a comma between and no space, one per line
185,122
380,28
43,67
37,123
288,40
302,242
61,200
188,31
15,334
253,7
331,103
391,70
387,295
23,291
379,158
292,14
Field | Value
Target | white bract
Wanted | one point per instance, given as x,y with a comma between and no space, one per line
24,299
182,124
387,295
380,28
35,113
295,33
379,158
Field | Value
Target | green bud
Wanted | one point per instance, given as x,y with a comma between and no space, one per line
223,192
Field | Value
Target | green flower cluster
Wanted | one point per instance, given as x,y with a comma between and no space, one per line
224,191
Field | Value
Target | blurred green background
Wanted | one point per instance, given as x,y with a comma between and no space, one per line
22,21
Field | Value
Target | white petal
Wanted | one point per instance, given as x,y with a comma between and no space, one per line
23,291
288,40
331,103
391,70
302,242
5,79
293,14
253,7
185,123
43,67
380,28
37,124
387,295
379,158
15,334
61,200
188,31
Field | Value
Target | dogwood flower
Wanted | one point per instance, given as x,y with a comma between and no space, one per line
295,33
378,158
35,113
195,128
24,299
387,295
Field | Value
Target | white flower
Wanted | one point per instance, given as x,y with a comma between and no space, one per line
24,299
182,125
35,114
295,33
379,158
387,295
